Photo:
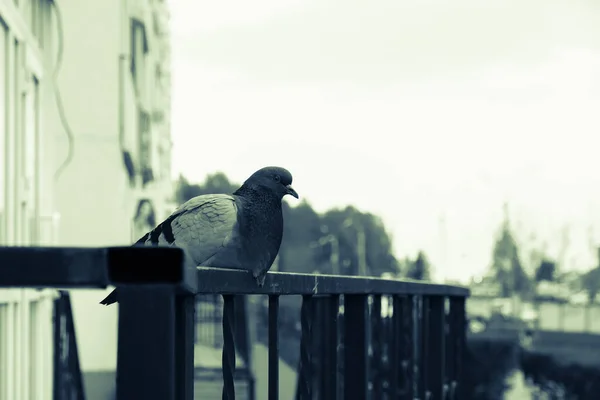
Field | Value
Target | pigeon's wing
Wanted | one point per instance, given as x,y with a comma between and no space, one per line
204,225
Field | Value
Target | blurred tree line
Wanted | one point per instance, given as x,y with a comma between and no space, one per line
512,277
322,243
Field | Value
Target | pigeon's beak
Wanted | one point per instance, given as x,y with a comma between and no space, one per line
290,190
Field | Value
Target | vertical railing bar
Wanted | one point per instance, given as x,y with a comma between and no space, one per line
452,348
334,340
409,324
395,352
449,352
317,345
324,344
423,349
305,374
377,343
228,357
435,361
458,317
273,347
356,372
342,347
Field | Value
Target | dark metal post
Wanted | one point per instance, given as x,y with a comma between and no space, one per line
435,361
59,349
146,366
305,376
422,338
228,357
356,379
185,332
330,367
395,353
409,324
377,346
273,347
458,330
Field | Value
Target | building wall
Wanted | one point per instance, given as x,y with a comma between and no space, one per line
96,196
26,351
92,200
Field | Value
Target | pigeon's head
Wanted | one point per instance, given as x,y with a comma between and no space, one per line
275,179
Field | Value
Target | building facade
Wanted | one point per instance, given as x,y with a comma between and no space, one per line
84,138
26,334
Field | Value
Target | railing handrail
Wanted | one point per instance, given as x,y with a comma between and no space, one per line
90,267
235,281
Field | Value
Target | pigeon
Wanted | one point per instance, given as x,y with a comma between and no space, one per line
241,231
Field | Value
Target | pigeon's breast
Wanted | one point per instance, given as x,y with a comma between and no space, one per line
261,233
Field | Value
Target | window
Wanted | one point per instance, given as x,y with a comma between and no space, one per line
3,136
145,143
139,50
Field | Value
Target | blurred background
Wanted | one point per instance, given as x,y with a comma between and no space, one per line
452,141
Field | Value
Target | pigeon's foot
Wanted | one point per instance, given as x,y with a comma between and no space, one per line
260,279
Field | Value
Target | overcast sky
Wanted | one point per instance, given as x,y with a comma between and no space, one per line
412,110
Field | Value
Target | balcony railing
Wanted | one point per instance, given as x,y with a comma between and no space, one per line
68,380
354,344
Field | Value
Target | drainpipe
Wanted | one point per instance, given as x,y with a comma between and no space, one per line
123,60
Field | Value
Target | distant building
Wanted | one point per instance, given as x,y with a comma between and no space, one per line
74,171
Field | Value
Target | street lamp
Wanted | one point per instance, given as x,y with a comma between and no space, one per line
334,256
361,245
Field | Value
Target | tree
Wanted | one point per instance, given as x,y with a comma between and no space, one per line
301,228
546,271
419,269
507,267
214,183
591,283
346,224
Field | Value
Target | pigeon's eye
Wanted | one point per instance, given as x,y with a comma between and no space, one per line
276,178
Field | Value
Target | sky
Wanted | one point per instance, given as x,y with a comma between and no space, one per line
429,113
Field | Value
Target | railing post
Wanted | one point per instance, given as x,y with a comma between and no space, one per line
155,354
421,341
395,349
457,339
228,356
146,365
356,360
330,364
435,356
305,374
377,341
185,329
274,347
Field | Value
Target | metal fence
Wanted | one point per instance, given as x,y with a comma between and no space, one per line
68,379
354,344
350,348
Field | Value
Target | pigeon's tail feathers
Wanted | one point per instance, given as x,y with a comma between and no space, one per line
110,299
161,235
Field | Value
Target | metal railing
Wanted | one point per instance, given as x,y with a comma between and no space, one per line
349,348
68,379
422,342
